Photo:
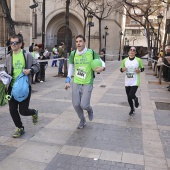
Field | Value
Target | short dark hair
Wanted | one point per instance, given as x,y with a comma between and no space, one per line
17,36
81,36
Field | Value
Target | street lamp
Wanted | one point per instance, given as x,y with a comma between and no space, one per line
120,44
106,33
159,18
35,5
126,45
90,23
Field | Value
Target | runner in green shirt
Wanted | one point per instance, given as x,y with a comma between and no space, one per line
80,64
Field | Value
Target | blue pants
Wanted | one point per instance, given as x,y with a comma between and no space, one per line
54,63
60,66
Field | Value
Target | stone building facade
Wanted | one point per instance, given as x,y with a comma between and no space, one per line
55,25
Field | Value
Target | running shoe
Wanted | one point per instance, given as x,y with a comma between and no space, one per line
132,112
82,124
90,115
136,102
18,132
35,117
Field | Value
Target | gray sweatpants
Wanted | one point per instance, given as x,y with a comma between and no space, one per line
81,95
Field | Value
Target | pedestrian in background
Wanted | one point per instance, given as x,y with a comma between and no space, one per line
132,65
31,48
55,56
61,53
36,55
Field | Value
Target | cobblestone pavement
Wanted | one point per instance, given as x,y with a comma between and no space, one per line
112,141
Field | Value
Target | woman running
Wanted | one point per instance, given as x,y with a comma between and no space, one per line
132,65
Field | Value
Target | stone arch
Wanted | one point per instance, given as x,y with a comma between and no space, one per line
56,20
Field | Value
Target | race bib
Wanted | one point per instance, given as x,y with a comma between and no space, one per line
129,75
81,74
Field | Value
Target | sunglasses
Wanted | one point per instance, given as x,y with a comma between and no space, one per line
14,43
134,50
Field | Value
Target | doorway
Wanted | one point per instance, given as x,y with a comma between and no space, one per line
61,37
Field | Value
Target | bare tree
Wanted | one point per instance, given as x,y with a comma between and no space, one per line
84,5
147,8
7,16
101,9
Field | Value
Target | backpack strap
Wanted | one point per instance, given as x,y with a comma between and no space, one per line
93,59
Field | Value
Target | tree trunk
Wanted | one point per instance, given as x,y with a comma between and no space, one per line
66,37
100,21
7,16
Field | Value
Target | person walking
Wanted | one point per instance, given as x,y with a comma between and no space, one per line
132,65
17,62
61,53
55,55
80,63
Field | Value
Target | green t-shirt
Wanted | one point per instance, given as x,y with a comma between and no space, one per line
18,64
55,51
83,74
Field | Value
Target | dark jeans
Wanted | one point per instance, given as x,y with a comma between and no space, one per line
130,92
60,66
54,63
42,71
17,108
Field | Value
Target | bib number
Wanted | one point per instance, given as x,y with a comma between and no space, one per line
81,74
129,75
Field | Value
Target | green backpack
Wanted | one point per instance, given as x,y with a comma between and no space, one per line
4,93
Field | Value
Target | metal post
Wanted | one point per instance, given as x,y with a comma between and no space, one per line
158,39
43,25
119,49
105,47
89,36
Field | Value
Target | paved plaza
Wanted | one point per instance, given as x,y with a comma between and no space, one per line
112,141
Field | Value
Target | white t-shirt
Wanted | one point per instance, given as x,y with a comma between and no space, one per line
131,77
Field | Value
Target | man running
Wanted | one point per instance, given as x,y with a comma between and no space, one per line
80,61
132,65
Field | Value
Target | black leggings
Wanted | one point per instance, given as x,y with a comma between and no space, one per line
16,107
130,92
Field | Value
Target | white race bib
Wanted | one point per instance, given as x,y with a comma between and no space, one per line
81,74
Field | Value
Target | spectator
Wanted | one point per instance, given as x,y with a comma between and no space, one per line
31,48
61,54
55,55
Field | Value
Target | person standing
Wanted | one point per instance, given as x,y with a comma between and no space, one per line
55,55
31,47
80,63
17,62
36,55
61,53
132,65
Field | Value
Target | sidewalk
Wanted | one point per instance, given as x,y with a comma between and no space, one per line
112,141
